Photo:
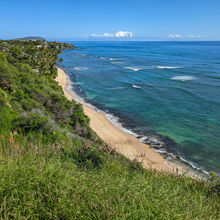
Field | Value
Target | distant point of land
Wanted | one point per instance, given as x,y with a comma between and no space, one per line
30,38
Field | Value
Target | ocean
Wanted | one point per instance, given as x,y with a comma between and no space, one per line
165,93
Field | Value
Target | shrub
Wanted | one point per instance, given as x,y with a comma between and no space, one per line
31,122
3,96
7,117
85,155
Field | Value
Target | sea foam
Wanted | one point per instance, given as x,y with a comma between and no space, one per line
113,58
116,88
80,68
136,87
115,121
117,62
167,67
132,68
182,78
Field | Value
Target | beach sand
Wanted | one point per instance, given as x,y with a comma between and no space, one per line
122,142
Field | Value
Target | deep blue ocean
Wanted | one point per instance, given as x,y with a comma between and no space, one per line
168,93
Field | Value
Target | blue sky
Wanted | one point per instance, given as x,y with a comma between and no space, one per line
111,19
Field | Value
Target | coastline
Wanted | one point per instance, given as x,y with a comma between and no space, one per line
123,142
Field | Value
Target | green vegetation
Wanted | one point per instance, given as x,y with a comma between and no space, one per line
41,55
53,166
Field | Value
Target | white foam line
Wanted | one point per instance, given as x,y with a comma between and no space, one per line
133,68
183,78
113,58
167,67
80,68
136,87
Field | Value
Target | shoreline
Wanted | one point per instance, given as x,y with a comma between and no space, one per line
123,142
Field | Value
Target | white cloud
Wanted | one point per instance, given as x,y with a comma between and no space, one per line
94,35
185,37
108,35
124,34
174,35
194,37
102,35
117,34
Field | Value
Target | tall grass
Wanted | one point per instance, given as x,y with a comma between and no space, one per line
73,180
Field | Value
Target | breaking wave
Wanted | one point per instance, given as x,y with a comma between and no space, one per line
183,78
167,67
133,68
79,68
136,87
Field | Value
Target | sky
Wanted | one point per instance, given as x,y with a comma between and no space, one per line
111,19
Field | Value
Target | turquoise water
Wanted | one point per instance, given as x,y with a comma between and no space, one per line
166,92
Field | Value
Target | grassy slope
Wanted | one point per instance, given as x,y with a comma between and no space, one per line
53,166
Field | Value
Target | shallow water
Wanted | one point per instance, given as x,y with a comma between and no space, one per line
166,90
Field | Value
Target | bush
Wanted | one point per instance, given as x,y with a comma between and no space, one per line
85,156
6,76
3,96
31,122
29,104
7,117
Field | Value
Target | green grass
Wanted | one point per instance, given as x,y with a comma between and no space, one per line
50,181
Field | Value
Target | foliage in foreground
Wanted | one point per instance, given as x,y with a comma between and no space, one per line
76,180
53,166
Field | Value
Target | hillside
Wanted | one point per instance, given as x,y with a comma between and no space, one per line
54,166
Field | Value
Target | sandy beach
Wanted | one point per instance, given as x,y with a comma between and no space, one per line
122,142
